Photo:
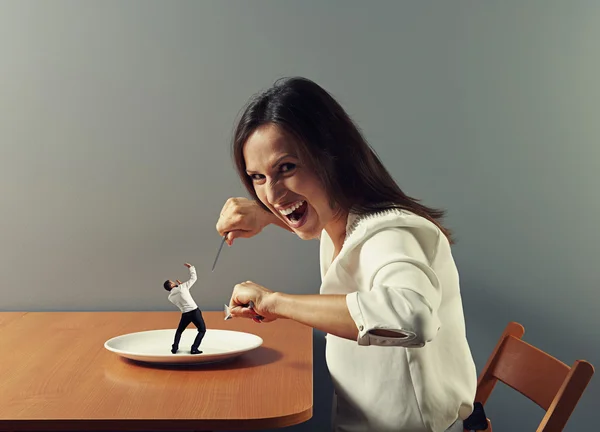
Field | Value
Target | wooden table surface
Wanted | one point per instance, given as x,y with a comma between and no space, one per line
55,374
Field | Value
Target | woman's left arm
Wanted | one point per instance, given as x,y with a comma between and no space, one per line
326,312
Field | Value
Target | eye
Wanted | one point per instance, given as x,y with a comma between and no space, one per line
256,177
286,167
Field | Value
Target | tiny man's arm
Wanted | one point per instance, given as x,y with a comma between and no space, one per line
192,280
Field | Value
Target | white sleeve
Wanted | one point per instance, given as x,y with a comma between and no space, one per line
188,284
405,292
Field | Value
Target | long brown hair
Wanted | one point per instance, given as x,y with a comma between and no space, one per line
330,144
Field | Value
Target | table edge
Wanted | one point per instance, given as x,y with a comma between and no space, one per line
157,424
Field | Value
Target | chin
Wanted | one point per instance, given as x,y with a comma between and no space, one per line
306,235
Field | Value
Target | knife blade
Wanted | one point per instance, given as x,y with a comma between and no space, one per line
219,251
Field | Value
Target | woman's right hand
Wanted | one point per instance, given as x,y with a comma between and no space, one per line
242,217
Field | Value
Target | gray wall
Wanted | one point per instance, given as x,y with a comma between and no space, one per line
115,120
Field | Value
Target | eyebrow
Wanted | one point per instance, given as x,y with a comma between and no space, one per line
276,162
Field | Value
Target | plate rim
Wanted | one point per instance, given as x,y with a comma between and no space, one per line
260,342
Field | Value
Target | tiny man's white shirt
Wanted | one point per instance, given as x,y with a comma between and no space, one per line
398,274
180,295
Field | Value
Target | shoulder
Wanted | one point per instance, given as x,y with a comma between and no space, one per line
394,235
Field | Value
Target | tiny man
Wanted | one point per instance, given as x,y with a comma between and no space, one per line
179,295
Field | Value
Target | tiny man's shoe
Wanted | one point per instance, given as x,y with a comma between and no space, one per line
196,351
174,349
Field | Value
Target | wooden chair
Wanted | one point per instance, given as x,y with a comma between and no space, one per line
548,382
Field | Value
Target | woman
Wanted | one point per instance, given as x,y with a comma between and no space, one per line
389,300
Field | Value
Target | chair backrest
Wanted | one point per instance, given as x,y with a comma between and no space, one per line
548,382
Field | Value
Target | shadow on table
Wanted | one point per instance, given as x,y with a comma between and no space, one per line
258,357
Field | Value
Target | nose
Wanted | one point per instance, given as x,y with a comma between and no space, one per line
275,190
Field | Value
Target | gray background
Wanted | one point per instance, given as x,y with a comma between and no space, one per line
115,121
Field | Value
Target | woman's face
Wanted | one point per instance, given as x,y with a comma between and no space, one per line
292,191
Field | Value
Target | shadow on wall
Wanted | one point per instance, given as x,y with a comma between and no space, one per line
485,326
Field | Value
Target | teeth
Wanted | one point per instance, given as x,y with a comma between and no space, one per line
289,210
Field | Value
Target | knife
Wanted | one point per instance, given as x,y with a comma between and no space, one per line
219,252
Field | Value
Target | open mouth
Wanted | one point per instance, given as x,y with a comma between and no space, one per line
296,215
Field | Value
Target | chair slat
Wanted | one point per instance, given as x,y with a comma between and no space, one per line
530,371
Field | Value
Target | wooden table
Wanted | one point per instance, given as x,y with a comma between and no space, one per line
55,374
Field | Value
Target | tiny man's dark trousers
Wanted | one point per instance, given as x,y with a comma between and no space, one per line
195,317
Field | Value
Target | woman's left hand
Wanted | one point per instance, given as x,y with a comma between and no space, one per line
248,291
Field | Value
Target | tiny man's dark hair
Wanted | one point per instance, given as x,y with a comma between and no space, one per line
167,285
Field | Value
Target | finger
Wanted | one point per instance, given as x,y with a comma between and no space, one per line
226,225
230,206
242,312
226,206
221,227
232,235
232,217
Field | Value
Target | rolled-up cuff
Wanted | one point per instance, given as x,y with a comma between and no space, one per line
365,326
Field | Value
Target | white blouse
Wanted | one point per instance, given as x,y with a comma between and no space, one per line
399,275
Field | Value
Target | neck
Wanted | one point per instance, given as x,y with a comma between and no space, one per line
336,229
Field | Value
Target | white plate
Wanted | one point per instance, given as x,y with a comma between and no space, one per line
154,346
